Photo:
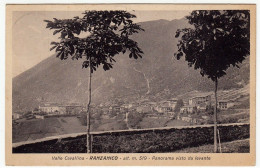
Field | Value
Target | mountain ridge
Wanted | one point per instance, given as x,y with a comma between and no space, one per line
157,75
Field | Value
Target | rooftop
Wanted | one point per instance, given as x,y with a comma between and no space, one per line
201,95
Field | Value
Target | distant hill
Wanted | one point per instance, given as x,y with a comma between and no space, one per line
156,76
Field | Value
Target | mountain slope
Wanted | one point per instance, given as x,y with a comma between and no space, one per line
156,76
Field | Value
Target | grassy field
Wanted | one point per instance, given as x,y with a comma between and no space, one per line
38,128
153,122
174,123
239,146
27,130
161,122
117,125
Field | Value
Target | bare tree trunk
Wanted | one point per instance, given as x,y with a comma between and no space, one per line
215,117
88,111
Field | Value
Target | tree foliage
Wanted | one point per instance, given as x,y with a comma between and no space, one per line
216,40
107,34
134,119
178,106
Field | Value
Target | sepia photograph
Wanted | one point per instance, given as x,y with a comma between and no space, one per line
131,79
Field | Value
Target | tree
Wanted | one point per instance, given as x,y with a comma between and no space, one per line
36,109
134,119
216,41
107,34
178,106
194,109
209,110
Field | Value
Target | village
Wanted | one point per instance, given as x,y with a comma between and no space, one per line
195,110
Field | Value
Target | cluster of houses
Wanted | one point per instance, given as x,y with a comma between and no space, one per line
59,109
196,103
194,119
200,103
150,108
51,109
165,108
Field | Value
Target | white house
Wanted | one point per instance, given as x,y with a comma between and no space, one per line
187,119
16,116
202,98
56,109
186,109
225,104
166,106
39,116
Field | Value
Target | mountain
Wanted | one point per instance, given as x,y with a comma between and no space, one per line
156,76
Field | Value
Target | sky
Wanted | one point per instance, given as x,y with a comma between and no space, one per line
31,40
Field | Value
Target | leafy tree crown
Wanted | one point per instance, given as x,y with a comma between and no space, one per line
107,34
215,41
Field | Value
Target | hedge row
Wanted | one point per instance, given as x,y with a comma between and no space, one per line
148,141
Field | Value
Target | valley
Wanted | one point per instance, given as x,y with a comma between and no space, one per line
148,82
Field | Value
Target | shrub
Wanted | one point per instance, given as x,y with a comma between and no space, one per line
146,141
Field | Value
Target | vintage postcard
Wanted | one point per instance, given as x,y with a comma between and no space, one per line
128,84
